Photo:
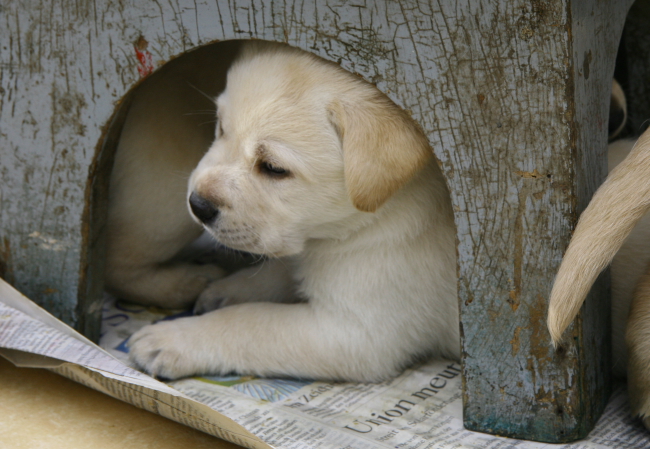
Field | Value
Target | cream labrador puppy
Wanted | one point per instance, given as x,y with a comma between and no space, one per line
322,173
615,227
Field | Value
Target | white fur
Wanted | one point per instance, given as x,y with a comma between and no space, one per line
360,234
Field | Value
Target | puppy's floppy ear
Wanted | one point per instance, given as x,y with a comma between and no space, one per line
382,146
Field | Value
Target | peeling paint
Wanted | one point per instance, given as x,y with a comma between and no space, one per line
48,242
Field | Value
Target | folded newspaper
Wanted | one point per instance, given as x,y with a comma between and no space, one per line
420,409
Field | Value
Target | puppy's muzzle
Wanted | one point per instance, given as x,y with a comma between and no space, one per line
203,209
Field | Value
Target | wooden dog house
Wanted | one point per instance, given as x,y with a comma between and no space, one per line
513,95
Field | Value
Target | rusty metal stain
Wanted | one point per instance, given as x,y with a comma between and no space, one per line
531,175
513,300
141,44
539,340
544,397
470,298
515,340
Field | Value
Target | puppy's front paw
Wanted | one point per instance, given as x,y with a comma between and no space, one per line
212,298
168,349
225,292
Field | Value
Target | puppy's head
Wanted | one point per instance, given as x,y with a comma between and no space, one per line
303,150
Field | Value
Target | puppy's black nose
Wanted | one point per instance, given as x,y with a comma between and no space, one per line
202,208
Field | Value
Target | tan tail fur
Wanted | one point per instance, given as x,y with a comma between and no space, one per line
611,215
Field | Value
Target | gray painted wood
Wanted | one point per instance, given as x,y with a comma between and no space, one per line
513,95
557,138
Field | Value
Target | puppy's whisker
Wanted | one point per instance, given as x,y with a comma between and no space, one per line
201,113
282,262
254,165
257,236
259,269
259,258
209,121
180,175
212,99
643,124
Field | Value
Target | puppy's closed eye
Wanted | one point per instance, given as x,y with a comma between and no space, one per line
267,165
272,170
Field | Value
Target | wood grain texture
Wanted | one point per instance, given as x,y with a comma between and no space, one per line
512,94
560,148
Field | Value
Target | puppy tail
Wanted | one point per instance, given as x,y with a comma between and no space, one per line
611,215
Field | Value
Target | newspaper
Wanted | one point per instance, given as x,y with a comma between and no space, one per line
422,408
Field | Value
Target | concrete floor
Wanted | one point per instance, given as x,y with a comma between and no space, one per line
40,409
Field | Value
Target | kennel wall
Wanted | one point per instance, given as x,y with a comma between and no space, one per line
513,95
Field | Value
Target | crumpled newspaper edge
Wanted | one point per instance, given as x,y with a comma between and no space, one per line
143,392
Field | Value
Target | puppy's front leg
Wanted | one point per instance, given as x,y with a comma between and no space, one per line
638,345
270,281
269,339
171,285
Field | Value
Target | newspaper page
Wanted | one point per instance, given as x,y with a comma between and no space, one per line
31,337
422,408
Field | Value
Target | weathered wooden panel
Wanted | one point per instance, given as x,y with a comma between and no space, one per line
512,94
558,141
